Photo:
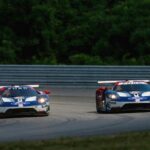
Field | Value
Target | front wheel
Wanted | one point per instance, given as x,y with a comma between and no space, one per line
99,103
44,113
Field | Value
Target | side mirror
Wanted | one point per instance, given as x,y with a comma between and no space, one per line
46,92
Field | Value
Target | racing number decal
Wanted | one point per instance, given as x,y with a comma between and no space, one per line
137,97
20,102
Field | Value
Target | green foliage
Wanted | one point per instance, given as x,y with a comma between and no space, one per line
113,32
84,59
8,51
129,141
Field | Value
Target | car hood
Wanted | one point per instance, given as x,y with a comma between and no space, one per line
20,98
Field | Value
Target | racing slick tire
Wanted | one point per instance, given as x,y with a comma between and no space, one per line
99,104
46,113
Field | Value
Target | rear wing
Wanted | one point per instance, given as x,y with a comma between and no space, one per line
108,84
32,85
111,83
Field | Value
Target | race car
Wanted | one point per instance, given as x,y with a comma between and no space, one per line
124,95
23,100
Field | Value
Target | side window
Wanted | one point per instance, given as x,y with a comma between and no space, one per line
38,92
118,88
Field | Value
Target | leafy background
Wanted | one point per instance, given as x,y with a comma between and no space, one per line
81,32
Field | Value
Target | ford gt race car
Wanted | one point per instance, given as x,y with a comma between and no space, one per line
23,100
123,95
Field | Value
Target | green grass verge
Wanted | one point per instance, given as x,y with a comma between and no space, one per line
130,141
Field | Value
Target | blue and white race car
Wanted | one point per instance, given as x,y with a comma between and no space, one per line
123,95
23,100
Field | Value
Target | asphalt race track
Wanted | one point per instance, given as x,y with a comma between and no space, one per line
72,114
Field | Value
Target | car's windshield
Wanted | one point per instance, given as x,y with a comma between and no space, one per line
16,92
132,87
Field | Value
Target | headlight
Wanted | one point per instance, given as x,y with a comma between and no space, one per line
146,94
7,99
123,94
112,96
41,100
